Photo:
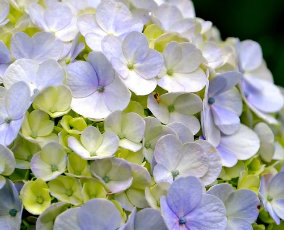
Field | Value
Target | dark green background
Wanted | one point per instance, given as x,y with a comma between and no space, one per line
258,20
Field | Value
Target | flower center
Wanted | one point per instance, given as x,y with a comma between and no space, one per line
182,220
130,66
170,72
13,212
175,173
148,145
171,108
106,179
69,192
39,200
67,61
54,168
121,136
34,135
246,94
269,198
53,110
8,120
101,88
211,100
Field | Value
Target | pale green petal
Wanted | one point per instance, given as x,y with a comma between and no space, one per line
46,220
7,157
67,189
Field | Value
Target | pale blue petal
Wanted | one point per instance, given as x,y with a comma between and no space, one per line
135,47
5,56
103,68
151,66
150,219
50,73
184,197
17,100
81,79
57,16
223,82
228,122
100,213
170,218
21,46
210,213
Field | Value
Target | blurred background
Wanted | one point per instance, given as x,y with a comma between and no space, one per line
258,20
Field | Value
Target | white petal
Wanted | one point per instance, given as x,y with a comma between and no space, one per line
183,132
222,191
151,66
166,14
92,106
17,100
158,109
172,55
67,220
139,85
50,73
190,121
135,47
77,147
215,162
36,13
133,127
21,46
250,55
21,70
57,17
116,95
46,46
112,47
191,58
88,24
244,143
109,145
113,122
110,13
4,10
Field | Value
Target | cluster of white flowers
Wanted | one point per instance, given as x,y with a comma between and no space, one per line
134,114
